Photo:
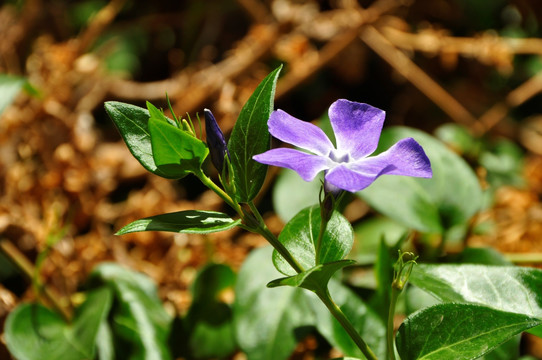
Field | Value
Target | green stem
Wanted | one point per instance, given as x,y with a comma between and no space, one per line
263,230
346,324
391,315
211,185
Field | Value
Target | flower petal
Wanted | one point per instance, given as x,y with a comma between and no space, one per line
406,157
306,165
357,127
347,179
299,133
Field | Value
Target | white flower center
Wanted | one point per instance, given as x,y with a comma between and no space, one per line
339,157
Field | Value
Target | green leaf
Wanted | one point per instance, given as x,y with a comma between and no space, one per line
33,330
368,235
250,136
458,331
105,343
506,351
10,86
369,325
138,317
188,222
506,288
268,322
291,193
176,152
315,279
132,122
434,205
209,321
300,235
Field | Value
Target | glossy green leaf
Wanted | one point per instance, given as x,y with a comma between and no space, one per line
132,123
369,325
506,288
250,136
175,152
434,205
300,235
268,322
188,222
506,351
137,317
33,330
209,321
458,331
315,279
10,86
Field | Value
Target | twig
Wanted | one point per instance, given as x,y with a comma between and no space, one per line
27,268
331,50
434,42
515,98
334,47
257,11
408,69
191,89
98,24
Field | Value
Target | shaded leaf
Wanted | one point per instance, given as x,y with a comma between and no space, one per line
369,325
33,330
291,193
434,205
188,222
458,331
250,136
268,322
209,320
138,317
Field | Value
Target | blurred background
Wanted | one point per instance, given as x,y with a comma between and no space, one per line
469,72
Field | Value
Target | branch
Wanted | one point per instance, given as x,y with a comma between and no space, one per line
408,69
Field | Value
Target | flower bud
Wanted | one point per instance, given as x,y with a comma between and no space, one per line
215,141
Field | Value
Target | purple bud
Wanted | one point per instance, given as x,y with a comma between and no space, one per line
215,140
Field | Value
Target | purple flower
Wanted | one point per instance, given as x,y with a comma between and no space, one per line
357,130
215,141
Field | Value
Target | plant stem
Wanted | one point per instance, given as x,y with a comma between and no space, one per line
27,268
263,230
346,324
227,198
391,315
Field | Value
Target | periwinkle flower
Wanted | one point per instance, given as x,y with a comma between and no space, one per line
357,129
215,141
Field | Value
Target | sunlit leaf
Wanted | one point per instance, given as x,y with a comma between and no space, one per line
250,136
300,236
188,221
458,331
